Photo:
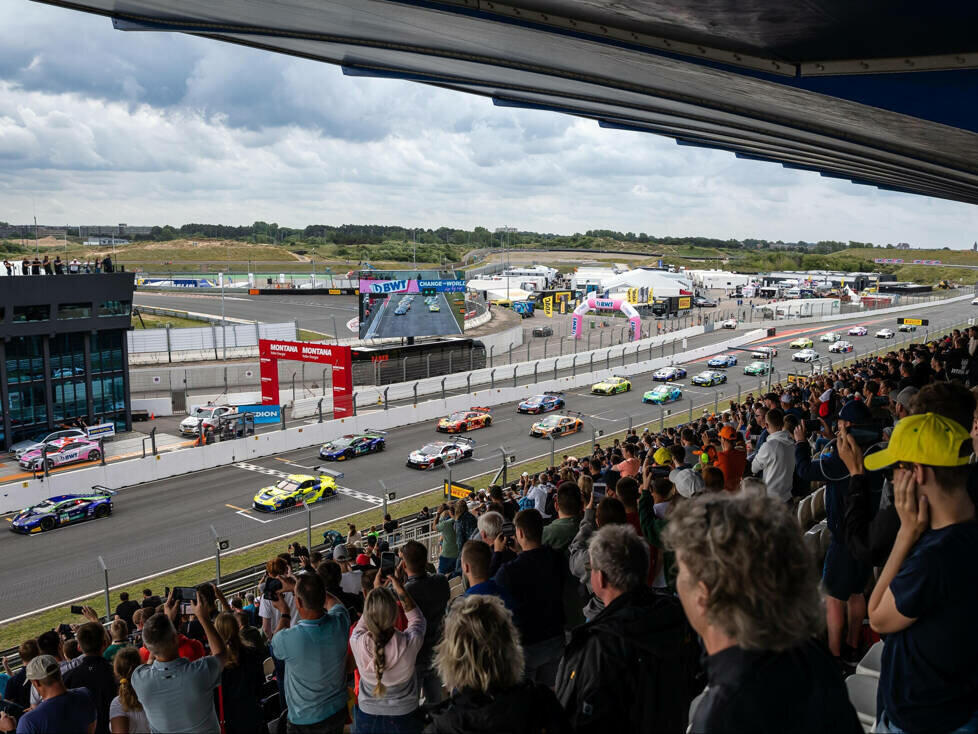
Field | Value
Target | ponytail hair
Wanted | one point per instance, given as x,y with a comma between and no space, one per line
379,616
125,662
226,625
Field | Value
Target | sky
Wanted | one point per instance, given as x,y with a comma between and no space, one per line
99,126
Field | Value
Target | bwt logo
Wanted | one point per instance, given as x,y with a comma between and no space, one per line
389,286
604,304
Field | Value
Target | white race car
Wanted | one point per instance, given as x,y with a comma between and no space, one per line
885,334
764,353
841,346
858,331
974,301
805,355
729,324
908,327
830,336
439,453
667,374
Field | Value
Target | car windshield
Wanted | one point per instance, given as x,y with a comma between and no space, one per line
535,400
287,485
707,375
457,417
203,412
662,390
758,364
341,443
551,421
431,449
44,506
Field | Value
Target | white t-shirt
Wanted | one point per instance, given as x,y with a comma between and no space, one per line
267,610
138,723
538,493
350,582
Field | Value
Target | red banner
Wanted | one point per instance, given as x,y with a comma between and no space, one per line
270,352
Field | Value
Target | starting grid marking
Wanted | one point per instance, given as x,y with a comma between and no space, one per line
355,494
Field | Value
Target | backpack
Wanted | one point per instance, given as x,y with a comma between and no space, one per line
332,538
526,503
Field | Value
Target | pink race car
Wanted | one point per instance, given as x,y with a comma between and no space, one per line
62,451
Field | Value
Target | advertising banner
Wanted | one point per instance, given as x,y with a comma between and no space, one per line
263,413
548,306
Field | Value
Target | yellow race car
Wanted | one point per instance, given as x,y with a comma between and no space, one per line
296,490
611,386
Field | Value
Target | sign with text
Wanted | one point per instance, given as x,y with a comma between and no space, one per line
409,303
458,490
263,413
914,322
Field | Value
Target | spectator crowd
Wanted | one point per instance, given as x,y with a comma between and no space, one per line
56,266
657,584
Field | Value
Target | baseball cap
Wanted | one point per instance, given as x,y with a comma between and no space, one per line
925,438
786,398
728,433
855,411
662,456
341,553
903,397
41,667
525,474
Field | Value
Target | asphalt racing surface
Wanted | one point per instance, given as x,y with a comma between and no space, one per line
161,525
418,321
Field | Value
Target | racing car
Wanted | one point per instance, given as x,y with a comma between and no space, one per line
611,386
434,307
722,360
61,451
830,336
556,425
805,355
756,368
352,445
465,420
667,374
541,403
709,377
802,343
858,331
439,453
841,346
295,490
764,352
908,327
22,447
729,324
662,394
885,334
64,509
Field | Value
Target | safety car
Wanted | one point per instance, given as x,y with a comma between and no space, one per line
661,394
764,352
802,343
723,360
858,331
22,447
541,403
440,453
296,490
885,334
757,368
668,374
709,377
556,425
352,445
208,416
63,509
61,451
805,355
465,420
611,386
841,346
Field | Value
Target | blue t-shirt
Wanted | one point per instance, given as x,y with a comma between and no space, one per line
314,651
929,677
70,713
491,588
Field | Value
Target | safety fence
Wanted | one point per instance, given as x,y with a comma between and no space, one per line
167,345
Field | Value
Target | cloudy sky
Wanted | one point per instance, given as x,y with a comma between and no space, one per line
99,126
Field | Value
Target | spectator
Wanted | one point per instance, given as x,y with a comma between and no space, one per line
900,402
926,597
686,481
687,439
8,267
71,649
390,524
534,580
46,266
49,643
480,660
119,634
332,576
713,479
352,577
476,560
177,694
775,460
465,525
74,267
731,459
138,618
610,511
537,495
239,695
630,465
107,266
59,710
126,608
386,657
150,600
59,266
251,610
448,556
431,593
639,632
749,589
352,536
126,715
18,687
559,534
93,672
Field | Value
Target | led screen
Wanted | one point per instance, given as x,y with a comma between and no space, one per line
409,303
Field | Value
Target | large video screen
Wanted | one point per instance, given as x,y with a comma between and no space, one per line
403,303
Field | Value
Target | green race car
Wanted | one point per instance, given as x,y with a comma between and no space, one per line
662,394
295,490
756,368
611,386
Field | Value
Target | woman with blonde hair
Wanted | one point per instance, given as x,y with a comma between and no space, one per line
386,657
585,483
126,715
480,660
239,695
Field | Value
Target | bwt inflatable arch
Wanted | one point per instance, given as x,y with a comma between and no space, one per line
593,303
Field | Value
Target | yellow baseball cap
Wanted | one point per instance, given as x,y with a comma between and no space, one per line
662,456
926,438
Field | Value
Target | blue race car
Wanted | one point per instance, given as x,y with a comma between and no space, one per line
541,403
352,445
663,394
709,378
64,509
722,360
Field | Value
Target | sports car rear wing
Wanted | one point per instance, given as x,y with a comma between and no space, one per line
104,491
322,471
481,408
372,432
553,392
463,439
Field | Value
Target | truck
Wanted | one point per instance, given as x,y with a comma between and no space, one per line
671,306
523,308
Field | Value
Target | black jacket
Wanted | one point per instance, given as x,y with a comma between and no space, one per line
526,708
630,668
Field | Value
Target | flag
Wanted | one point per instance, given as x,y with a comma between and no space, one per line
548,306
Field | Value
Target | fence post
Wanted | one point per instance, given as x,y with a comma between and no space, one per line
404,369
492,378
545,347
105,576
560,344
527,351
555,369
468,382
662,418
152,438
535,366
515,368
511,352
169,352
591,368
319,409
492,348
308,526
386,390
443,387
691,409
428,363
415,393
354,396
607,359
217,556
450,370
574,366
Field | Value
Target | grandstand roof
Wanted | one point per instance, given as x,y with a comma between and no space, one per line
879,93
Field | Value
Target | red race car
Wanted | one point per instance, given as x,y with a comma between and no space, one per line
465,420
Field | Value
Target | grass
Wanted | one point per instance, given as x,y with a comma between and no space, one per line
307,335
153,321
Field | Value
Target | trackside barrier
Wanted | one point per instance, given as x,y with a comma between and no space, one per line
18,495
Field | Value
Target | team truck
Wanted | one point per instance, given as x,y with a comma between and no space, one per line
672,306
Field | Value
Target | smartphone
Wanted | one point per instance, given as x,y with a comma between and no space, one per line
598,491
76,609
387,562
812,424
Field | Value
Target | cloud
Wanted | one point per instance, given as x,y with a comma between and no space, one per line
101,126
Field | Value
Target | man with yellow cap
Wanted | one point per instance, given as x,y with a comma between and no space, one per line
926,599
